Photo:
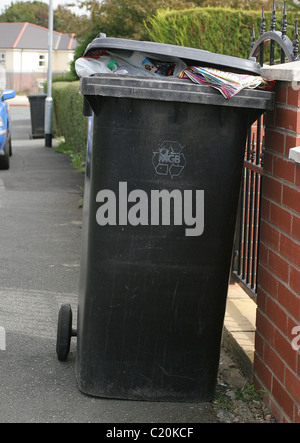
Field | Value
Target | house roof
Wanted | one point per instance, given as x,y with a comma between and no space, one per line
29,36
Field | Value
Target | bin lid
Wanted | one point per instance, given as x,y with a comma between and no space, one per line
171,89
38,95
191,56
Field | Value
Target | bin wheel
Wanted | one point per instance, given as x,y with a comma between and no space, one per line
64,332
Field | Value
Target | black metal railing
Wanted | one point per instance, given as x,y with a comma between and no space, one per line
246,247
287,49
245,257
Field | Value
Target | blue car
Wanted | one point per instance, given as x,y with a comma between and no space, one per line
5,134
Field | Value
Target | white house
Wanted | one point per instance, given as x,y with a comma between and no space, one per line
24,55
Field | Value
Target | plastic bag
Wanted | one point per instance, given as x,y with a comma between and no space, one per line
102,62
149,65
87,66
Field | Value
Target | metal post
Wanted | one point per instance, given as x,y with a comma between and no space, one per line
273,28
49,101
296,42
262,31
283,29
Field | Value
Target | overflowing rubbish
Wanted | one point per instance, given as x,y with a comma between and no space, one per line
104,62
100,61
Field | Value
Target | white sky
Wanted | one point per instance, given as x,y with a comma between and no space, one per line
4,3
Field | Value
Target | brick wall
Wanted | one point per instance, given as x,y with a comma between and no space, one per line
276,363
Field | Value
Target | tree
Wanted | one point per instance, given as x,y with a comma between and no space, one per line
240,4
127,18
34,12
293,4
64,20
249,4
37,12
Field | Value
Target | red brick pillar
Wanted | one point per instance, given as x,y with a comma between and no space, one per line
277,344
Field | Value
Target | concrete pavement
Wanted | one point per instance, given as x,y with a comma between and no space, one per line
40,229
40,234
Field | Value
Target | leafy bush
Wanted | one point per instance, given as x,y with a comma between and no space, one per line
221,30
68,119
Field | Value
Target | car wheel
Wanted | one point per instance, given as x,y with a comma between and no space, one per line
4,159
10,148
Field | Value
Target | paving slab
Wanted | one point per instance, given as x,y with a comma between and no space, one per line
40,244
41,215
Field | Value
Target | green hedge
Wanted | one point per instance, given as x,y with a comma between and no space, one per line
68,119
221,30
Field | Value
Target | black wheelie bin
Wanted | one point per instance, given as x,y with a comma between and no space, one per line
37,113
160,203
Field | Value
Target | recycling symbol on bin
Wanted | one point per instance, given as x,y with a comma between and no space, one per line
169,159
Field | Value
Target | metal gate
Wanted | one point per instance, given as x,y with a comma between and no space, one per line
246,246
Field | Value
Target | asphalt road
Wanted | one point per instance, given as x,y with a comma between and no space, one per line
40,234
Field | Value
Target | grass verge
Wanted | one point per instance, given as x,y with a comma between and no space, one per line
77,158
